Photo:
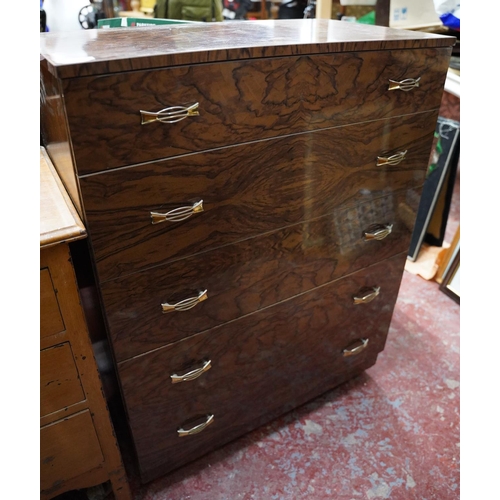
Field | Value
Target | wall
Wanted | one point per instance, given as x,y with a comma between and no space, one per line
62,15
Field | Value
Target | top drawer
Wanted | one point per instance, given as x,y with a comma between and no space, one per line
242,101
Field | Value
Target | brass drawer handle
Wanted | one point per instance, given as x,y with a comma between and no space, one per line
186,304
378,232
366,295
177,214
404,85
197,428
172,114
395,159
359,345
193,374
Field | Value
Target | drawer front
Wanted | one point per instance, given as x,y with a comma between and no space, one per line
260,366
246,190
241,101
51,321
60,384
68,448
152,308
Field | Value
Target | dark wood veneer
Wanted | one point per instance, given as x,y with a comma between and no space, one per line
293,115
241,102
251,274
247,190
278,358
95,52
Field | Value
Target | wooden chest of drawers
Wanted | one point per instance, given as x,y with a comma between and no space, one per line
78,448
250,191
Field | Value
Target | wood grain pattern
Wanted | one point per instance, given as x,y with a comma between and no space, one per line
278,358
107,51
51,321
246,190
54,134
58,442
59,220
242,101
59,381
250,275
160,461
293,115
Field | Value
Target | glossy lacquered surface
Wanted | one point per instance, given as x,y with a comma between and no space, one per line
276,358
377,421
242,101
295,146
246,190
90,52
252,274
54,134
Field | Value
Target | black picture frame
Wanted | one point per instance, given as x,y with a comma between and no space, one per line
437,191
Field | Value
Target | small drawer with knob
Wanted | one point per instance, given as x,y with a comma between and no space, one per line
211,387
139,116
69,448
60,385
150,214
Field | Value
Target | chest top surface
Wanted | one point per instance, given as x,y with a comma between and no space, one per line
95,52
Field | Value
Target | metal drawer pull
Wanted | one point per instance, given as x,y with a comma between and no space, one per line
395,159
177,214
404,85
359,345
186,304
378,232
197,428
366,295
193,374
173,114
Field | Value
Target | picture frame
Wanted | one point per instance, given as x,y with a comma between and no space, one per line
435,202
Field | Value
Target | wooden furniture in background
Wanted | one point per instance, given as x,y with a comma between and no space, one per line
250,191
448,256
78,448
450,284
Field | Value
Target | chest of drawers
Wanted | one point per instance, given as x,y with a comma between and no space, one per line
250,191
78,447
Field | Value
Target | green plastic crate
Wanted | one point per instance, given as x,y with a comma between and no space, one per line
125,22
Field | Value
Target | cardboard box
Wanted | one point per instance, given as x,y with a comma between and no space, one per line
413,14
